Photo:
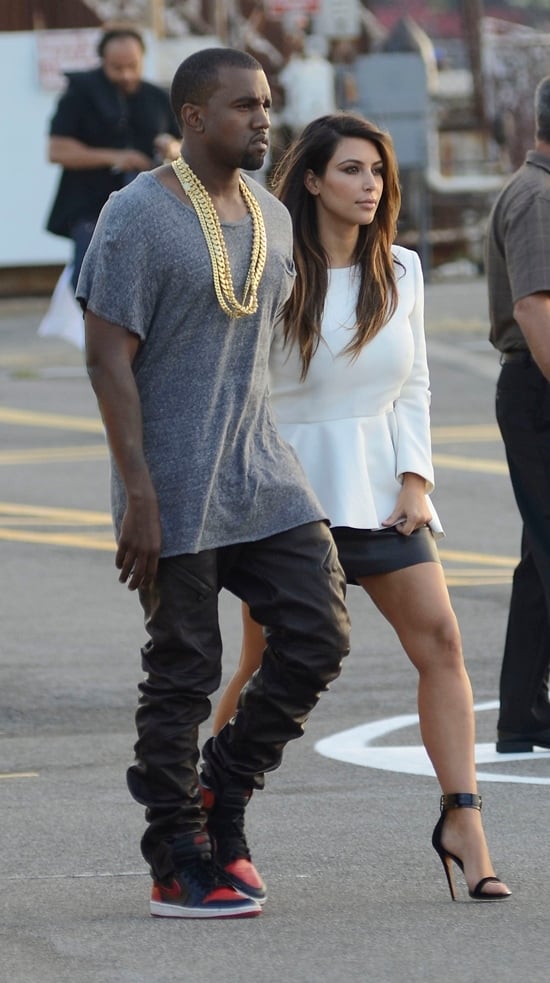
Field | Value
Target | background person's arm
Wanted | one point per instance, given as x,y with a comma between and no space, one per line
167,147
76,156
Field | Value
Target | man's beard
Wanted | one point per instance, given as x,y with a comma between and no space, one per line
251,161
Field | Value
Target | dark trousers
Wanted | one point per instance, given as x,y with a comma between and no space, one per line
294,585
81,234
523,414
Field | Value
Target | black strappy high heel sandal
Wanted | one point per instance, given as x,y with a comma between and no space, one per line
462,800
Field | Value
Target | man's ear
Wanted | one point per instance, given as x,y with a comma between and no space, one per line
311,182
192,118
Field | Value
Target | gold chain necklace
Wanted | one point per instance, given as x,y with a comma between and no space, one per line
210,224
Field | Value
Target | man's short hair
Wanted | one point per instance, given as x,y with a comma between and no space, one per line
196,79
117,33
542,109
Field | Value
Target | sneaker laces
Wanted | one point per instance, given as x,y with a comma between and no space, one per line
226,823
196,863
201,872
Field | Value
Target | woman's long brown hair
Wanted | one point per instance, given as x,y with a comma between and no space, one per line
377,298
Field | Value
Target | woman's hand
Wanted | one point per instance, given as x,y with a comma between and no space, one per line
411,509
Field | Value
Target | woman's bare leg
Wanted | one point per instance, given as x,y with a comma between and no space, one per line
416,603
253,645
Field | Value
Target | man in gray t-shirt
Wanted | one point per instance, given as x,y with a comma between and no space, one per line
518,276
221,472
187,271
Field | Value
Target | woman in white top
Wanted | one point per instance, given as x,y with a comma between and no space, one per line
350,388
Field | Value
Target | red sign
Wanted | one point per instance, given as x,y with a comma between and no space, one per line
278,7
65,50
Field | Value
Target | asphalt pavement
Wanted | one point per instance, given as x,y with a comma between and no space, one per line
356,892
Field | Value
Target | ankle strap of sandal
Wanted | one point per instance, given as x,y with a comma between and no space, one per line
460,800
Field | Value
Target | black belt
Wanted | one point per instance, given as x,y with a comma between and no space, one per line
518,355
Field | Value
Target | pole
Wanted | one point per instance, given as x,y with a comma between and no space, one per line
472,12
156,17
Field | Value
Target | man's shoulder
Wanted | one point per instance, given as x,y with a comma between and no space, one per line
513,199
538,159
260,191
529,179
94,81
85,80
137,202
153,92
267,201
143,188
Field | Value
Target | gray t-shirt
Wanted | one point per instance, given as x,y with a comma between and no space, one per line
222,473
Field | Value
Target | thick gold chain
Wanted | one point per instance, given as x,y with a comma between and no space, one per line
210,224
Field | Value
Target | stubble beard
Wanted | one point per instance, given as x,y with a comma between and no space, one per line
252,162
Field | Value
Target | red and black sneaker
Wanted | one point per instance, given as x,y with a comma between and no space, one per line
225,823
198,891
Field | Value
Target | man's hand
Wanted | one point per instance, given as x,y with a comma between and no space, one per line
139,543
76,156
167,147
130,160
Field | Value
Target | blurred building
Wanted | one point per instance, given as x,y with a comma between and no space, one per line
458,136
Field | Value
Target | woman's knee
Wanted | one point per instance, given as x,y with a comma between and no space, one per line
447,640
438,646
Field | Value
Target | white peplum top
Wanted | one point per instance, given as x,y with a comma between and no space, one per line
357,425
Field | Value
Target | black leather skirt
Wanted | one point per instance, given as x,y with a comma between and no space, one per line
364,552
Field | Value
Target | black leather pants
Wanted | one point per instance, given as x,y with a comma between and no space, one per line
523,414
294,585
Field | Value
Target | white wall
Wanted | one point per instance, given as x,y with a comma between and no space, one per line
27,180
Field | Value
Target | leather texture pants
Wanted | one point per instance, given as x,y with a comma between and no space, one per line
295,587
523,415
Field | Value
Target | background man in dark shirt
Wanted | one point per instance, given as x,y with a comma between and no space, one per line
518,270
108,126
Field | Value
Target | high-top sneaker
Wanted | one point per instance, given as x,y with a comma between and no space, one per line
197,889
225,822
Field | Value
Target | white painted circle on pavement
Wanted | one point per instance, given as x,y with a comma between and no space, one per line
355,747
